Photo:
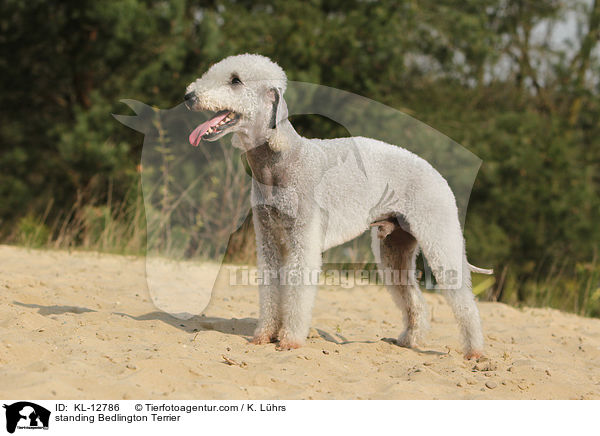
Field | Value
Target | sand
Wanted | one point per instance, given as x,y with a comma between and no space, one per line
81,326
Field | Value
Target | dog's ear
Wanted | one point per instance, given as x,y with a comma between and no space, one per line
279,113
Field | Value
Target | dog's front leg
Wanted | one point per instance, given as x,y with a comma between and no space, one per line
269,320
299,279
269,264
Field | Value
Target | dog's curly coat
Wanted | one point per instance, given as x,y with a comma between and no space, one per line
309,195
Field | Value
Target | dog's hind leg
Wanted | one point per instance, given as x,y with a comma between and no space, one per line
443,247
462,302
396,251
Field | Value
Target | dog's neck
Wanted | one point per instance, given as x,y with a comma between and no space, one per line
263,163
269,157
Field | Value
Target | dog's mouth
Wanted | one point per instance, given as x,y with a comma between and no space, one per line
212,128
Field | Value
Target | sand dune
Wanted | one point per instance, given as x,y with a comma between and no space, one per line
82,326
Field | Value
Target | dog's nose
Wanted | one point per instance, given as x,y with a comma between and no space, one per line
190,99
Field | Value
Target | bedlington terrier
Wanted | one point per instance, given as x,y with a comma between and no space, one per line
305,201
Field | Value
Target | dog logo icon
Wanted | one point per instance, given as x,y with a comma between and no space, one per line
26,415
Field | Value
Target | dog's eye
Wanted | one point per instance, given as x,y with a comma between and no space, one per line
235,80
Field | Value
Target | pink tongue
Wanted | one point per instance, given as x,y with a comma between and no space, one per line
196,135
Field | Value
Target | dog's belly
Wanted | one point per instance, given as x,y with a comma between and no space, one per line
356,192
342,226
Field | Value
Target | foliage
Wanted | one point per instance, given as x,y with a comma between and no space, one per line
31,232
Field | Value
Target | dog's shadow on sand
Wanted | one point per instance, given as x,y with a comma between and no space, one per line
231,326
245,327
54,310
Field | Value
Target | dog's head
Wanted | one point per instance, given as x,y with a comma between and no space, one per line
246,94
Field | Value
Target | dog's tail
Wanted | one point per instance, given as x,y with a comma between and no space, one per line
478,270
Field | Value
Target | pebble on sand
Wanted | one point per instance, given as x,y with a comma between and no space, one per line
491,384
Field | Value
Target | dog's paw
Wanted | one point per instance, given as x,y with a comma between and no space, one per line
262,339
289,341
473,354
286,344
408,339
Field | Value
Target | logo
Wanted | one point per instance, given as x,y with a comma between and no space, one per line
198,199
26,415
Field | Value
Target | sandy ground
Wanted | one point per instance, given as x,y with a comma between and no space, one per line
82,326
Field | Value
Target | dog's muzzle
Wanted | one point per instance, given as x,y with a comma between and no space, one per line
190,100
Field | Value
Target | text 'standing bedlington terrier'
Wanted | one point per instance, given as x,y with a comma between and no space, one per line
293,177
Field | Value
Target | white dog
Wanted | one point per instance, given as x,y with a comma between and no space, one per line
305,201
